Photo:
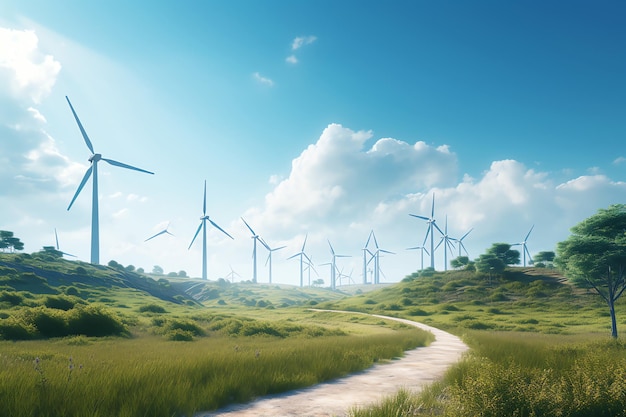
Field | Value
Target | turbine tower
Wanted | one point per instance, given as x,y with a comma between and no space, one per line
269,256
524,247
367,251
376,258
422,249
56,238
162,232
431,226
333,276
461,245
203,226
447,243
256,238
302,255
93,169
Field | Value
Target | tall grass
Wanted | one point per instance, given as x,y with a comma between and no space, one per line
525,375
150,376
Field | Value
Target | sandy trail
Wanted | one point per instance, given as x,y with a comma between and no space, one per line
417,368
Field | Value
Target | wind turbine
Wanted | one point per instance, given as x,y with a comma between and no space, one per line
269,256
309,267
56,238
431,226
461,245
422,249
376,258
334,263
162,232
524,247
365,260
447,243
255,237
302,255
93,169
202,226
232,274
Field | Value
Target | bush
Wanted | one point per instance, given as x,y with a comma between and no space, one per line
15,329
59,303
48,322
12,298
152,308
73,291
94,321
185,326
179,335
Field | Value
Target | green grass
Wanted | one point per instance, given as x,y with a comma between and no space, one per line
149,375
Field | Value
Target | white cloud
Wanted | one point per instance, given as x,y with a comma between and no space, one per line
301,41
292,59
263,80
619,160
24,70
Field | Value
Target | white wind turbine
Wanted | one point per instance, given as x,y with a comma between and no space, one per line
232,274
422,249
376,257
333,276
203,226
431,226
93,169
256,238
162,232
367,251
524,247
309,267
447,243
269,256
460,241
302,255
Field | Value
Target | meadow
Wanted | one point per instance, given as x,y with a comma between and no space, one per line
539,346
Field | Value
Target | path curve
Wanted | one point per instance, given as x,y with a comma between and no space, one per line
417,368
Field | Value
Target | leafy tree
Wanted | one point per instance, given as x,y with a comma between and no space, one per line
130,268
9,242
543,259
157,270
459,262
504,252
490,263
594,256
182,274
116,265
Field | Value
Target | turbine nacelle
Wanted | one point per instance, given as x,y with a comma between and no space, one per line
95,157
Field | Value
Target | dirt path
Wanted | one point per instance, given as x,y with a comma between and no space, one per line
418,367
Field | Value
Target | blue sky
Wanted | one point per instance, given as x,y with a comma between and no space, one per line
322,118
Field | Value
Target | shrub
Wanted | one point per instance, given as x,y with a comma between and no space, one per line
152,308
73,291
94,321
15,329
12,298
179,335
48,322
185,326
59,303
417,312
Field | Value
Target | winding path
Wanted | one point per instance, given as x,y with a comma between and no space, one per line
417,368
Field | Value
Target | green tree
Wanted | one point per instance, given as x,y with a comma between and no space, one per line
504,252
594,256
545,258
490,263
157,270
9,242
459,262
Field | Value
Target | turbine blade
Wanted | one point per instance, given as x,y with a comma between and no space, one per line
278,248
419,217
158,234
304,244
437,227
196,235
222,230
531,229
264,243
80,126
432,213
204,204
386,251
466,234
56,237
249,228
122,165
80,187
368,239
331,248
375,241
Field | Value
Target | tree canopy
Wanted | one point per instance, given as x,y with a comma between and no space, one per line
8,242
594,256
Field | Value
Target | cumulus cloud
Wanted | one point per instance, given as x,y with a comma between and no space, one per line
292,59
24,70
347,183
263,80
